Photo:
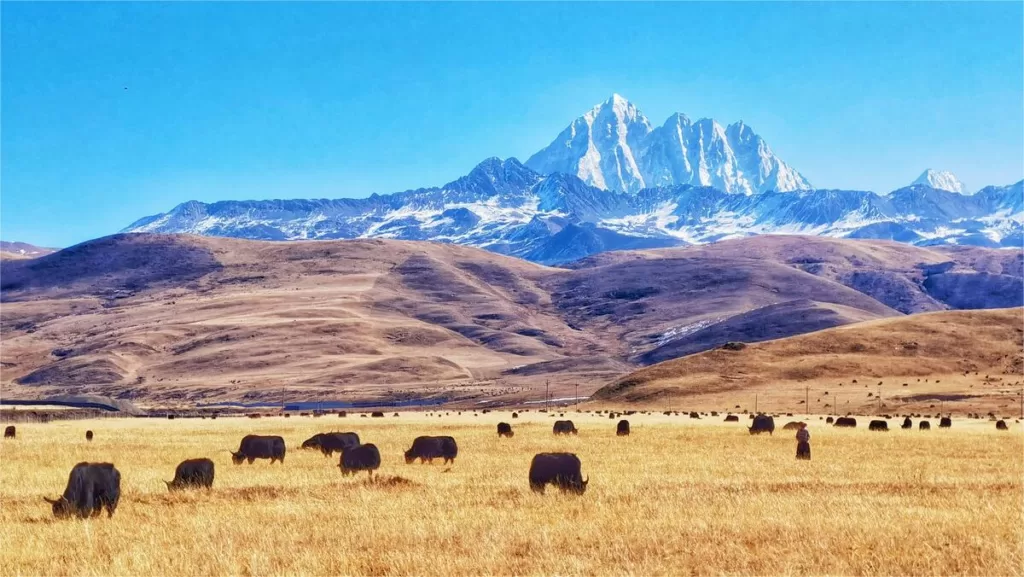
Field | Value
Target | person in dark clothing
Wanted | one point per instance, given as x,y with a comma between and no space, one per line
803,443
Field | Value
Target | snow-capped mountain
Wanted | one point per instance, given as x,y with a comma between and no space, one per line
614,147
942,180
503,206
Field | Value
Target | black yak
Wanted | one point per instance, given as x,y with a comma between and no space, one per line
1001,425
877,425
91,488
945,423
762,424
505,430
192,473
88,435
426,449
907,423
924,426
564,428
559,469
9,432
328,443
255,447
622,429
732,419
359,458
845,422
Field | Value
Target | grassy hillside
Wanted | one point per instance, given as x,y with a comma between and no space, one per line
965,359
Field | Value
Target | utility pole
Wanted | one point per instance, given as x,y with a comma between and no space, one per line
1022,403
807,395
755,403
547,397
577,397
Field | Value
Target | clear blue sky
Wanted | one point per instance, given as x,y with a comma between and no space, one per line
114,111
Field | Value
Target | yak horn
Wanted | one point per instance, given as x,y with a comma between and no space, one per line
51,501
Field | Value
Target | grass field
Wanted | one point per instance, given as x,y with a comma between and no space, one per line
677,497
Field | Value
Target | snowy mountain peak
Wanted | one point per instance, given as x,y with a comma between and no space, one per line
942,180
614,147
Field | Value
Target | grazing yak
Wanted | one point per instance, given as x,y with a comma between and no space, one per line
505,430
9,432
924,426
426,449
91,488
829,421
622,429
877,425
359,458
732,419
792,425
88,435
559,469
1001,425
192,473
845,422
564,428
945,423
762,424
328,443
907,423
377,414
255,447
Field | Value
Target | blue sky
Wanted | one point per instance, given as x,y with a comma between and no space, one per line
114,111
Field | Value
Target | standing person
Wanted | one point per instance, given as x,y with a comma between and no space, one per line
803,443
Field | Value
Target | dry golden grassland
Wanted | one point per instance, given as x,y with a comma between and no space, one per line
677,497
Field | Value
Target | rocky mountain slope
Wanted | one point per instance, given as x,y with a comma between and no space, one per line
613,146
184,319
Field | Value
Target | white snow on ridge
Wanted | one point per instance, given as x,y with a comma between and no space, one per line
942,180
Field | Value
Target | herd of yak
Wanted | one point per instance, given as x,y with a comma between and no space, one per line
94,487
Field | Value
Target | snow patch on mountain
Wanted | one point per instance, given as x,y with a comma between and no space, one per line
941,180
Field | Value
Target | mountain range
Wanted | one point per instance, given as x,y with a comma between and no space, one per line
610,181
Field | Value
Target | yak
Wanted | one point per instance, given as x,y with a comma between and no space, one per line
762,424
792,425
732,419
426,449
359,458
845,422
255,447
91,488
1001,425
505,430
192,473
88,435
907,423
622,429
564,428
829,420
9,432
877,425
328,443
924,426
945,423
559,469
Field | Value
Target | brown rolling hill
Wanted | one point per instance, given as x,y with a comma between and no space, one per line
175,319
959,359
22,250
